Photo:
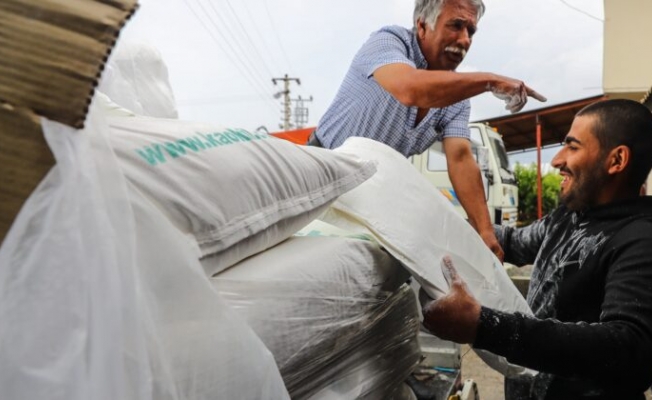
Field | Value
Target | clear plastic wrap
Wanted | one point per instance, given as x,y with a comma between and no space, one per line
332,310
380,357
102,298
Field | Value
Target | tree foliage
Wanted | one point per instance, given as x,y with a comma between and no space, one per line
526,176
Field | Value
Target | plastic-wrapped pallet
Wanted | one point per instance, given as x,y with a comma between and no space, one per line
332,310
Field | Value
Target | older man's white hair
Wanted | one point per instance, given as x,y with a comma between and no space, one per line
428,10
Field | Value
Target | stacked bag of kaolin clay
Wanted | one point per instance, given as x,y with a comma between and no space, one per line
235,194
104,259
323,306
333,309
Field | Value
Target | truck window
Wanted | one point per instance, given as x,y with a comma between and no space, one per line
436,160
506,173
501,154
476,136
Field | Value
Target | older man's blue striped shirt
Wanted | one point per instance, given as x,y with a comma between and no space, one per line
363,108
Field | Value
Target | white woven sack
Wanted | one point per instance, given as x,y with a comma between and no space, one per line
233,192
418,226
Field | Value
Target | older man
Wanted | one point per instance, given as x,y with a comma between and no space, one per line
402,90
591,288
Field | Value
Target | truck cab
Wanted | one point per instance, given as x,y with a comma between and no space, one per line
501,190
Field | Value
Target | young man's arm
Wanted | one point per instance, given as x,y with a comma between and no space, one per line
615,351
467,182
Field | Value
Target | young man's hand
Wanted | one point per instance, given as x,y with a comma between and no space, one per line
455,316
489,238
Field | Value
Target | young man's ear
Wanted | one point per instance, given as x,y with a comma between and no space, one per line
618,159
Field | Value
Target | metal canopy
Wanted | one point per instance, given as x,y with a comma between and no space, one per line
519,131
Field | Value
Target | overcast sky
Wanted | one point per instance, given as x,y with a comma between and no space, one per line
222,54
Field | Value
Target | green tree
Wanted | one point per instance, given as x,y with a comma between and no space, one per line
526,176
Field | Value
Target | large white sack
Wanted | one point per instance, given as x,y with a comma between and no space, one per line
233,192
415,223
306,292
329,310
101,298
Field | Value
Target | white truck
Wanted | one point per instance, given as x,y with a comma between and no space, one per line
499,181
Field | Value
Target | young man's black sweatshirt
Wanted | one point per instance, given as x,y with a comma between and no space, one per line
591,294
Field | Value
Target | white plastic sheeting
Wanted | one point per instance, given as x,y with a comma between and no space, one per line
408,216
332,310
101,298
136,78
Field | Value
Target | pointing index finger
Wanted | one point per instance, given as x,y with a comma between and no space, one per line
534,94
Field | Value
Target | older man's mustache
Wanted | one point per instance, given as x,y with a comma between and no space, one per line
457,50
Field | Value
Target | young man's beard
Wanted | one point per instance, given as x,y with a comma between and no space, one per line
585,189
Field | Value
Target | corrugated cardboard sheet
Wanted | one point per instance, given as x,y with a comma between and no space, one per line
52,53
24,160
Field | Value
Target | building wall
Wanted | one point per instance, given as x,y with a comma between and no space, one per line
627,49
627,71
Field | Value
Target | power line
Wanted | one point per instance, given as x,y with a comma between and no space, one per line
233,39
249,64
278,40
219,43
581,11
261,38
246,35
241,98
267,99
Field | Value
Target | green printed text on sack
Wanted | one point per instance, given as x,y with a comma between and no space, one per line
160,153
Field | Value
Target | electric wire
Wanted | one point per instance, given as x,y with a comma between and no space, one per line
219,43
237,98
278,39
580,11
251,42
248,63
268,100
232,40
272,57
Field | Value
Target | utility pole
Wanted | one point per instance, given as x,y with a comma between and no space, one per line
287,112
301,112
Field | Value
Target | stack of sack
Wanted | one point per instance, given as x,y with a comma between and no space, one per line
234,195
334,311
103,294
166,259
316,304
